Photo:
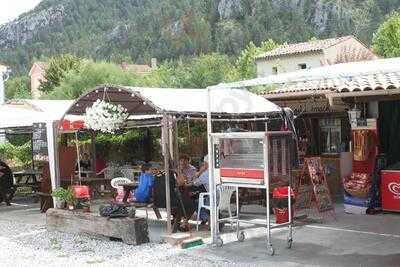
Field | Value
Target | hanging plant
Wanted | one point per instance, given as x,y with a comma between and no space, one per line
105,117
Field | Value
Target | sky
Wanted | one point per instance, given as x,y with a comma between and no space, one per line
10,9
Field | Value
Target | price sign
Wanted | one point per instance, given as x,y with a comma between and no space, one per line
39,142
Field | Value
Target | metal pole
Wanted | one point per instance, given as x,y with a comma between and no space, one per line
93,151
33,160
213,215
165,141
266,181
78,157
52,146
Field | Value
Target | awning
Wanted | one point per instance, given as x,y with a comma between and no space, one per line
24,113
185,102
358,83
343,70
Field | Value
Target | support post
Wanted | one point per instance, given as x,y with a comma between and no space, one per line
173,142
165,149
213,213
52,146
93,151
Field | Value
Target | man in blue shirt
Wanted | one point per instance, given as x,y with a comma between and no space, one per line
143,192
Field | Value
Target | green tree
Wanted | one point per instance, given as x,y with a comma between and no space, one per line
208,70
59,66
91,74
386,41
198,72
17,88
245,63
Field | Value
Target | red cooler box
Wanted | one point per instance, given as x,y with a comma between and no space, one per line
390,190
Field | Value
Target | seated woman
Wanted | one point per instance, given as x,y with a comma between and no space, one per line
143,192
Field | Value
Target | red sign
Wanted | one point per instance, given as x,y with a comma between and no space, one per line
390,190
67,125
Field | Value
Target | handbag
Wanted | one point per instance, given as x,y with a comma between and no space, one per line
113,211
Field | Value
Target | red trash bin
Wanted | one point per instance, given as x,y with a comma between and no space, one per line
280,204
80,191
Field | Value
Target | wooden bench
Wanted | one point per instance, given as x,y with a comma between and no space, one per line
132,231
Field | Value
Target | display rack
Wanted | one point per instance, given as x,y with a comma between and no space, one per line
260,160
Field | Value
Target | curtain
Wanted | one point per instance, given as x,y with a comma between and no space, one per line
389,130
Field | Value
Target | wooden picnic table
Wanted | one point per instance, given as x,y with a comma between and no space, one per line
31,178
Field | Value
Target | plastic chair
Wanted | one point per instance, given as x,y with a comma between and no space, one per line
128,173
224,194
224,203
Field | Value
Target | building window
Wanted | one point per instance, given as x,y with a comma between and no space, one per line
302,66
274,70
331,135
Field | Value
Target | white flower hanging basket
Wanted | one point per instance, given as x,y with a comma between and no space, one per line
105,117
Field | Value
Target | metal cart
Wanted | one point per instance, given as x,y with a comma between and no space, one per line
253,160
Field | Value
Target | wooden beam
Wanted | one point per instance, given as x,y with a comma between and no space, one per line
387,92
294,95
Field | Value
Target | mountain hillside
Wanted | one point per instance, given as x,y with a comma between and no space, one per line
136,30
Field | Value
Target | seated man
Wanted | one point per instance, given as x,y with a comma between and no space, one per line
201,182
187,173
143,192
182,205
201,179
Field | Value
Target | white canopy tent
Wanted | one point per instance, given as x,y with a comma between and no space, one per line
143,104
175,104
191,102
25,113
13,117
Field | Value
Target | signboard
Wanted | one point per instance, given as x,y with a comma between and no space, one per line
39,142
390,190
319,184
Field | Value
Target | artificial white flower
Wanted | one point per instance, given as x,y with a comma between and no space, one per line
105,117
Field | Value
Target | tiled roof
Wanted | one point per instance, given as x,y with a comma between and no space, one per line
311,46
42,65
375,81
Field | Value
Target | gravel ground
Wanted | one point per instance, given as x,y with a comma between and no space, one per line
30,245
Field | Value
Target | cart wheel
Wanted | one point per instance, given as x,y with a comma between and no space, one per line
271,251
289,243
241,236
219,242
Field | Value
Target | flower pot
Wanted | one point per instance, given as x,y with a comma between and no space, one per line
60,204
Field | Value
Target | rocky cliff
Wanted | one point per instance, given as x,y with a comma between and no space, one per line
135,30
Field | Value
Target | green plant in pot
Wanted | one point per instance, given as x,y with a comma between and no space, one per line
65,197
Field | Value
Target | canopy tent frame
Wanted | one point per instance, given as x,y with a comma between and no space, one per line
224,105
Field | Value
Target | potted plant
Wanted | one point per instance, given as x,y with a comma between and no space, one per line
70,199
65,197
